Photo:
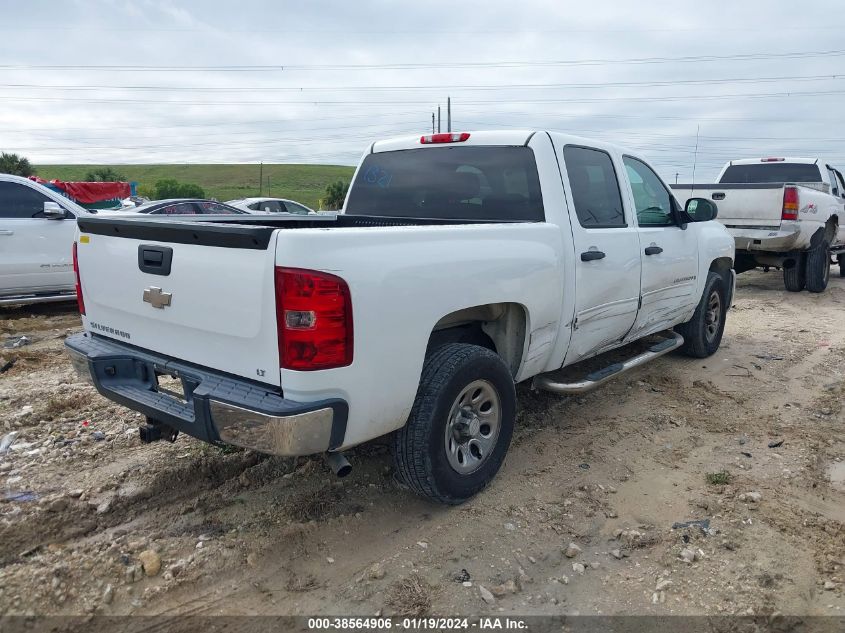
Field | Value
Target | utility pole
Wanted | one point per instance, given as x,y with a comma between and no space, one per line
448,114
433,129
268,186
676,178
438,119
260,177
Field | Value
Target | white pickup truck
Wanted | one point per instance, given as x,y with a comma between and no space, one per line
782,212
461,265
36,235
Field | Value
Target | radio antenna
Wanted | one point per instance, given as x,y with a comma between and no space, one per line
695,156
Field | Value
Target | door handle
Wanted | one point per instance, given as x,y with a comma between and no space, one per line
5,232
588,256
653,250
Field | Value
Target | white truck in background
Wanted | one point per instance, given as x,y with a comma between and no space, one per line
461,264
782,212
37,228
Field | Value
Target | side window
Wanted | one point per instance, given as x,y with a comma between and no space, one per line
19,201
834,184
181,208
292,207
652,200
595,189
841,183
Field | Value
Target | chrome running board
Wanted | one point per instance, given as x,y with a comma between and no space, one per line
31,299
596,378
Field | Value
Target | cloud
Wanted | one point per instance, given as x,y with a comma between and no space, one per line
355,72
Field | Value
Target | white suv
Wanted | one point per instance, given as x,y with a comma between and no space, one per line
37,226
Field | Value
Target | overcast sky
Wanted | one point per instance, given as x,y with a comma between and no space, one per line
222,81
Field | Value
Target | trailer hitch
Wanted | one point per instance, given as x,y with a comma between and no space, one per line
153,431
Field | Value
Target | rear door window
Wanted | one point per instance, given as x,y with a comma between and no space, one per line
456,183
293,207
210,207
271,206
595,187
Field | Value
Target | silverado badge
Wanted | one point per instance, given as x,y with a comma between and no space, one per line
156,298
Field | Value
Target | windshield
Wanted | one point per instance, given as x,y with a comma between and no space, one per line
772,172
458,183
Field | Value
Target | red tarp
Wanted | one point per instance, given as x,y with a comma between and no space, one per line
90,192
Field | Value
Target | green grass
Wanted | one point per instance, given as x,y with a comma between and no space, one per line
303,183
719,479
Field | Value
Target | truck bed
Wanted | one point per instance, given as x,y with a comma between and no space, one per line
741,205
239,231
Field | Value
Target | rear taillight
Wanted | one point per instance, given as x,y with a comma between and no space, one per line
772,160
445,137
790,203
79,299
314,320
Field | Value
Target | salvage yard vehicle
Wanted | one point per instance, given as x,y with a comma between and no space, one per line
185,206
36,236
271,205
782,212
461,265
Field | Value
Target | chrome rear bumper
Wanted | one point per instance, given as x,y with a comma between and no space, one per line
216,408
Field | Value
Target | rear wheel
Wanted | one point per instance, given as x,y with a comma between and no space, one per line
460,426
818,268
795,276
840,259
703,332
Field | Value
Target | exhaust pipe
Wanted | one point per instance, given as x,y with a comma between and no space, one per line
338,463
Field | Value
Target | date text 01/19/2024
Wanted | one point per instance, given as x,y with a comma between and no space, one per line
416,623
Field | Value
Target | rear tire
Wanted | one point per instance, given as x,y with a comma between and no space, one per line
818,268
840,259
703,332
460,426
795,277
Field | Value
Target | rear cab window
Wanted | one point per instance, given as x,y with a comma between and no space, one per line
771,173
453,183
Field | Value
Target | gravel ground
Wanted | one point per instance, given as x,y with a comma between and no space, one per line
585,517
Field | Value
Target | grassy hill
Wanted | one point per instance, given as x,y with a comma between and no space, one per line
303,183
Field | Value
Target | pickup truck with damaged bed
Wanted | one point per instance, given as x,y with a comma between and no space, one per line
782,212
462,264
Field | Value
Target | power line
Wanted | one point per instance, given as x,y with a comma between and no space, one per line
416,88
416,66
310,102
287,30
215,124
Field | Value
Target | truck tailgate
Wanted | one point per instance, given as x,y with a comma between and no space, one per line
215,307
740,205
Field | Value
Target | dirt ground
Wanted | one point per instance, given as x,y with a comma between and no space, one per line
752,440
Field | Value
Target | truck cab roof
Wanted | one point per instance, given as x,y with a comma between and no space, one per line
787,159
487,137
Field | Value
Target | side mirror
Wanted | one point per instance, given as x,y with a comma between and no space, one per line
54,211
701,210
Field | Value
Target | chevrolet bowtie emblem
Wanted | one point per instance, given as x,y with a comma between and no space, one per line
156,298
